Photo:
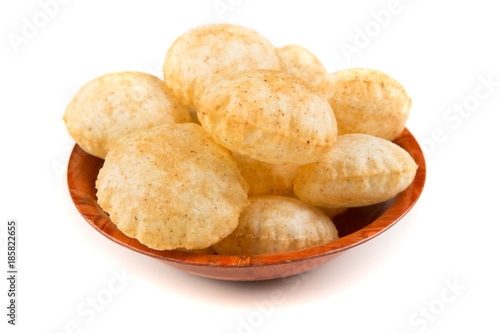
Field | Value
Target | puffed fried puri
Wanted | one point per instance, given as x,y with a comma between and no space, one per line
201,54
273,224
366,101
266,178
301,63
360,170
269,116
114,105
172,187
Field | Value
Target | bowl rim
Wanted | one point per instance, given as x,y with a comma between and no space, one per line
93,214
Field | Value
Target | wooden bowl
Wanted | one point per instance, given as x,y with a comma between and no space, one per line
356,226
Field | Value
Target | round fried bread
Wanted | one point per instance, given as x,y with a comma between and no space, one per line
266,178
366,101
301,63
269,116
360,170
172,187
201,54
273,224
114,105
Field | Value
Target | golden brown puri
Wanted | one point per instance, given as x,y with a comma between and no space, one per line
200,55
266,178
366,101
114,105
301,63
273,224
360,170
172,186
269,116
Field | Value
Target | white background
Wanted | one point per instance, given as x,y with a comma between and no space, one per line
439,50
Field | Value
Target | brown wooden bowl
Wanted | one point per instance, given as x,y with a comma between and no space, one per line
356,226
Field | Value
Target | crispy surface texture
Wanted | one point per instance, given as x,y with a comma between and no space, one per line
114,105
269,116
273,224
201,54
361,170
366,101
266,178
172,186
301,63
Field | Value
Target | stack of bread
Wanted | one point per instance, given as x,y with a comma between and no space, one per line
243,148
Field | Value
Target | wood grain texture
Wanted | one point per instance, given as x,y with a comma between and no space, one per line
356,226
